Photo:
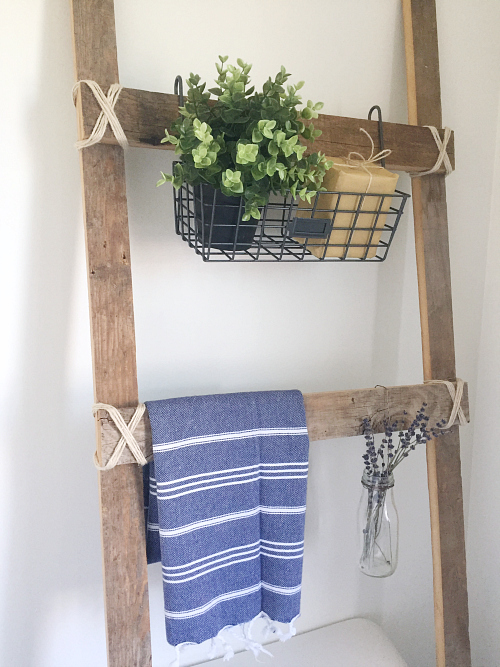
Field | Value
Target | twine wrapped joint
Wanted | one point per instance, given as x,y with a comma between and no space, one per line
443,157
107,115
456,397
127,435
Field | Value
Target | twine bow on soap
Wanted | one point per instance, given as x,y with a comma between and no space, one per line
361,162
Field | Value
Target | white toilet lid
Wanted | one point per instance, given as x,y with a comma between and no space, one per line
357,642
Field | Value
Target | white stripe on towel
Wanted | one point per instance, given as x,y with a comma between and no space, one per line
219,553
190,613
280,589
286,550
169,580
214,602
285,544
207,474
283,510
286,463
234,516
239,471
263,553
168,495
234,435
252,550
216,560
212,521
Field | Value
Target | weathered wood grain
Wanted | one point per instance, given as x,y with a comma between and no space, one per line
334,414
145,115
113,349
434,279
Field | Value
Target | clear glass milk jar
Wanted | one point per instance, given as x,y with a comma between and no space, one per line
378,526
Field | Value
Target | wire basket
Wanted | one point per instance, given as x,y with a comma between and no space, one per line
356,227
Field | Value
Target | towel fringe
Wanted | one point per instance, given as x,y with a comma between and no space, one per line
243,633
219,644
273,628
292,630
251,644
176,662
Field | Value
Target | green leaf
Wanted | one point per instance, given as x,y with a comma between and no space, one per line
259,171
266,127
273,148
246,153
257,136
281,169
279,137
170,138
271,166
300,150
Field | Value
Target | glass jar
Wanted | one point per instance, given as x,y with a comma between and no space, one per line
378,526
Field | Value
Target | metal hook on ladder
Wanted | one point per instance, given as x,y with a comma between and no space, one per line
178,89
380,129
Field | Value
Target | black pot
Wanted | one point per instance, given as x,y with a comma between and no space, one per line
217,217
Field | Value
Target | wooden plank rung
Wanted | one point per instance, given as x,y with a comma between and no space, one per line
144,116
334,414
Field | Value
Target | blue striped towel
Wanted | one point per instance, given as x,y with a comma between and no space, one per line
226,510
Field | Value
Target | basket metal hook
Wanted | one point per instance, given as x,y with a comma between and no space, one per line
380,129
178,89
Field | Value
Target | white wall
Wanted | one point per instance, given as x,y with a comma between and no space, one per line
205,328
484,514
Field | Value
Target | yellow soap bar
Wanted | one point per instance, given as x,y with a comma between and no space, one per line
362,211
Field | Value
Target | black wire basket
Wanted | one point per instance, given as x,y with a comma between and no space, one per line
335,226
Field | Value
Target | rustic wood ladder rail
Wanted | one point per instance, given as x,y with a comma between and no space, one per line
144,115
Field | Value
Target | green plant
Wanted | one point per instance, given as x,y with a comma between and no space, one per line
246,143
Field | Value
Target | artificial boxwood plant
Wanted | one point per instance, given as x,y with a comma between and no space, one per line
246,143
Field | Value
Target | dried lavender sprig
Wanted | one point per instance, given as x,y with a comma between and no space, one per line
381,461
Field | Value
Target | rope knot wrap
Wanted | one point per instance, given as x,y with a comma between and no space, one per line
361,162
107,115
443,156
456,397
126,431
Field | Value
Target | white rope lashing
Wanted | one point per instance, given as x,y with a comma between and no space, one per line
127,435
456,397
107,115
443,156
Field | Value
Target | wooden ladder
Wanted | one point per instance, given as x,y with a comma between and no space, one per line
144,116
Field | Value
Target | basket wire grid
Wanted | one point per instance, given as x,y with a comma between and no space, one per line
358,226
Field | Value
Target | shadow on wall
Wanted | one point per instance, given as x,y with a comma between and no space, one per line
54,543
